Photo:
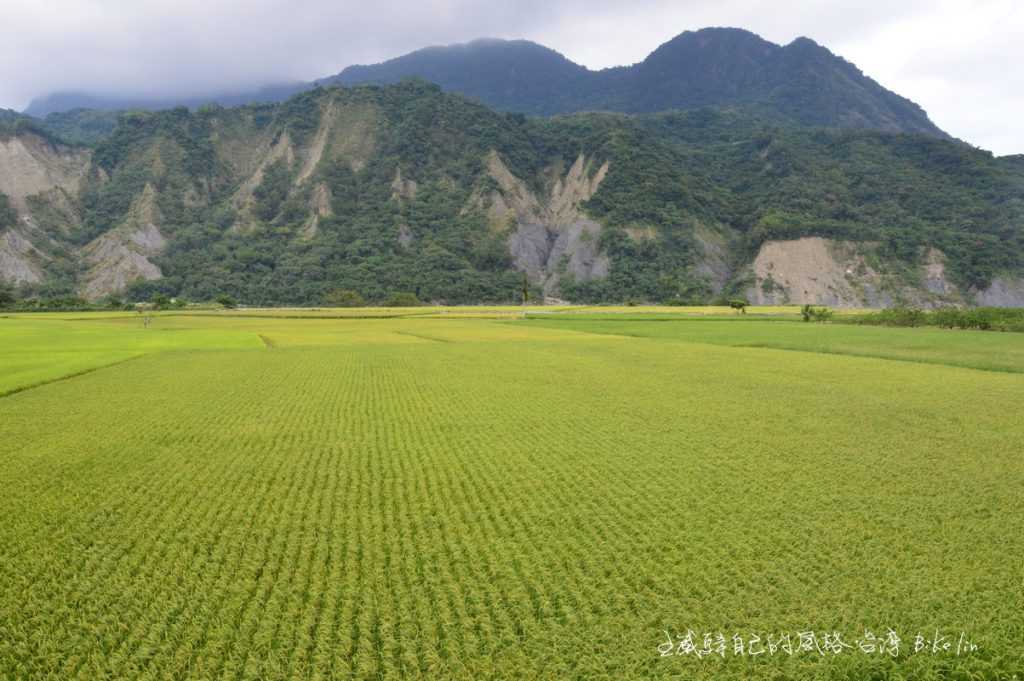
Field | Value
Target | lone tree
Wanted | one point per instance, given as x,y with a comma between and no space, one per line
525,289
226,301
809,313
739,305
160,301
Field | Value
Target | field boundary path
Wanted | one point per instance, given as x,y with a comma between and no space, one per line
66,377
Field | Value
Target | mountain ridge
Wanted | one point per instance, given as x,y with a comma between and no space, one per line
63,101
801,82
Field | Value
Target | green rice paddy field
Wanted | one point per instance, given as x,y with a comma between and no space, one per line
485,496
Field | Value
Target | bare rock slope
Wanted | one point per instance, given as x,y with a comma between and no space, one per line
31,165
819,271
549,234
1005,291
122,255
34,168
19,259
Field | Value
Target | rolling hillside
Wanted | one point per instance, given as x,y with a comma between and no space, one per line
408,189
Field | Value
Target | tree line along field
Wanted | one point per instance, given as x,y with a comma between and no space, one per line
441,496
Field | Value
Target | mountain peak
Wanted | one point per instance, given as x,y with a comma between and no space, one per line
493,48
483,44
716,39
810,48
501,73
803,41
802,82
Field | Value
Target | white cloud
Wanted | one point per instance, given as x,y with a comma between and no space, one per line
961,61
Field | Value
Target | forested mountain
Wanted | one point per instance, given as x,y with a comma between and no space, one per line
405,188
59,102
507,75
9,120
802,82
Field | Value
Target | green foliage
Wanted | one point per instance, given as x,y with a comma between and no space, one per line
160,301
272,192
28,302
402,299
300,115
735,172
980,318
173,151
82,126
344,298
812,313
226,301
7,296
8,216
13,124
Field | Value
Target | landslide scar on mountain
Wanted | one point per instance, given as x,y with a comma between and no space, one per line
121,256
35,173
551,236
823,271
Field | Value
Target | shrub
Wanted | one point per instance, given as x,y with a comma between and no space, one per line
113,302
402,299
810,313
226,301
344,298
980,318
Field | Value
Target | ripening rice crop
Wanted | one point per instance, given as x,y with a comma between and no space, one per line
475,499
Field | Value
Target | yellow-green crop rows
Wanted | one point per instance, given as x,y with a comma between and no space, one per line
450,498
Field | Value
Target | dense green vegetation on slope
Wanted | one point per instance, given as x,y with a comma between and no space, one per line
82,126
337,502
8,217
13,123
763,182
438,140
907,191
728,171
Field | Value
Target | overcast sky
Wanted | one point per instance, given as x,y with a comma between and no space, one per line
960,59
